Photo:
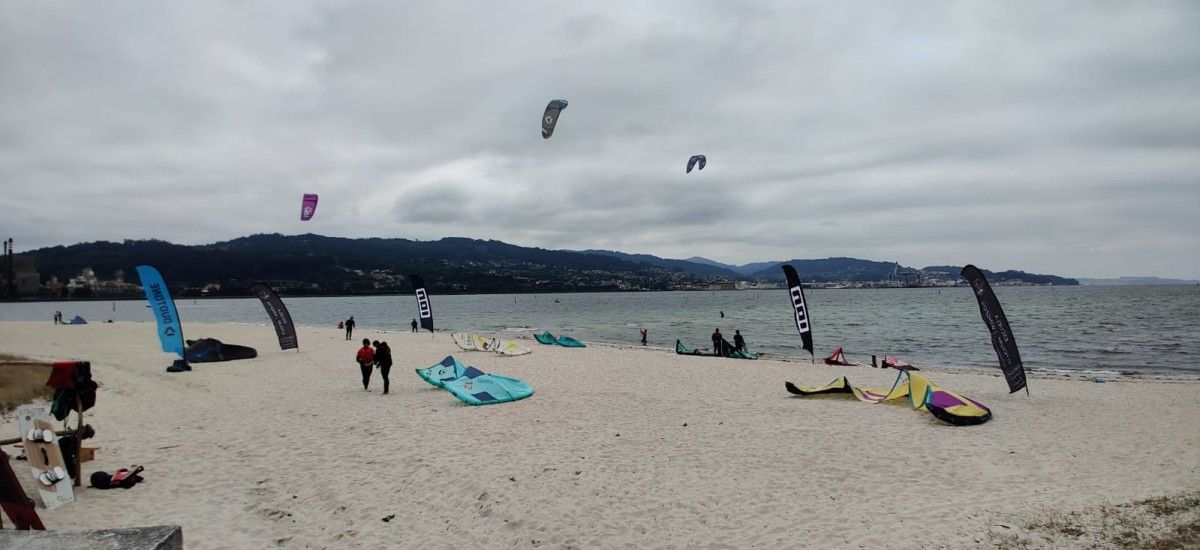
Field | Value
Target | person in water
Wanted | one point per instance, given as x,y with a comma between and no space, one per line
738,341
349,327
643,337
383,360
366,360
414,325
722,314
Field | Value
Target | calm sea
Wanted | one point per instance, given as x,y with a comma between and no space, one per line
1153,330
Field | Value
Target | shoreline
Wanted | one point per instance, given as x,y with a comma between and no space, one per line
136,297
521,336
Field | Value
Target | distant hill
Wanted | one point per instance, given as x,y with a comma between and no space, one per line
702,269
744,269
946,271
828,270
318,264
315,264
1121,281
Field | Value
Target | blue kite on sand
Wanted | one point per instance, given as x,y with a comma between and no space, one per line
443,372
563,340
568,342
476,387
473,386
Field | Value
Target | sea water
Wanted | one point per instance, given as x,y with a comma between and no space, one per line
1144,329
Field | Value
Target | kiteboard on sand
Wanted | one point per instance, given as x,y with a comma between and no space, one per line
44,456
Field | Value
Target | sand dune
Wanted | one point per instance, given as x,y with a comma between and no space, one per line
618,447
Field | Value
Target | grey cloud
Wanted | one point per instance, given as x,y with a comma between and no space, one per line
1060,137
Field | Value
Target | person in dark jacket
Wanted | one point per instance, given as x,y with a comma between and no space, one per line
349,326
414,325
366,361
383,360
738,341
716,340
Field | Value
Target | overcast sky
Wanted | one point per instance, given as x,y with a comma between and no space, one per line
1052,137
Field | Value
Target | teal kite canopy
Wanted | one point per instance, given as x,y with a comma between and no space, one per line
437,375
473,386
476,387
562,340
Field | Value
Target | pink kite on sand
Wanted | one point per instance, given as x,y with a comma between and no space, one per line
308,207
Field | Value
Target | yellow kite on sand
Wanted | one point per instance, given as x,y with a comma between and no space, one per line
922,395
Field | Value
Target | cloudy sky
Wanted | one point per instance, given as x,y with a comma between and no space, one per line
1053,137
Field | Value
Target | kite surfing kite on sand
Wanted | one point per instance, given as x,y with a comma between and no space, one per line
467,341
308,207
945,405
550,117
473,386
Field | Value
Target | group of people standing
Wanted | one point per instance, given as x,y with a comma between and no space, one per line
368,359
58,318
722,347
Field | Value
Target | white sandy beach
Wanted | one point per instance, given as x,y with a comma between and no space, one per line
617,448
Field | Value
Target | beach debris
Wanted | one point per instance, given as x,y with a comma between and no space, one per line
685,424
512,478
388,517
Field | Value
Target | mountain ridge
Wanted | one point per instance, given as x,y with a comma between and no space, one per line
316,264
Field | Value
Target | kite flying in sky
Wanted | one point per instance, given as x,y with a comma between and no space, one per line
696,159
553,109
308,207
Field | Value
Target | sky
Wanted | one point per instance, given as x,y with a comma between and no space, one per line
1051,137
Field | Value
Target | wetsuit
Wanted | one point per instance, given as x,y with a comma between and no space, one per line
365,357
739,342
349,327
383,358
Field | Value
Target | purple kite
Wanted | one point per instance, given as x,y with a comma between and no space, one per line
308,207
694,160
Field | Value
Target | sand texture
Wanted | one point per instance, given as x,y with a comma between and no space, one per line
617,448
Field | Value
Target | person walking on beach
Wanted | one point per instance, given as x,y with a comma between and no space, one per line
383,360
349,326
738,341
366,360
414,325
643,337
